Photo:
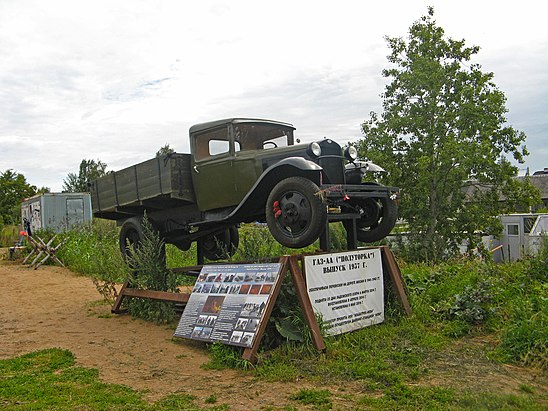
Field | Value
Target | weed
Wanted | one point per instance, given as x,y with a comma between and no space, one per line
525,337
9,234
526,388
320,399
150,272
226,356
212,399
471,305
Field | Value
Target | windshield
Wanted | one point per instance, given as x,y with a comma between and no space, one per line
250,136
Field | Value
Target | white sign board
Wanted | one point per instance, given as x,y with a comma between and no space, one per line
346,289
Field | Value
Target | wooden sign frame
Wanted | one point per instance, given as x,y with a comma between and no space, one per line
293,264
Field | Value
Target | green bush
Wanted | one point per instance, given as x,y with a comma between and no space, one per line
9,235
524,336
93,250
150,273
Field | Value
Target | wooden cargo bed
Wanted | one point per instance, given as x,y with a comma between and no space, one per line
156,184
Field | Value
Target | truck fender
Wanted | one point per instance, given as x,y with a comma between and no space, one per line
254,201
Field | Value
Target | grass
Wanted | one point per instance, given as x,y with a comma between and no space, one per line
318,399
49,380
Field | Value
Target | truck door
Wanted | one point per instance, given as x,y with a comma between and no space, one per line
213,169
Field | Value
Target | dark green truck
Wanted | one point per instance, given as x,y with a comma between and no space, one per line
244,170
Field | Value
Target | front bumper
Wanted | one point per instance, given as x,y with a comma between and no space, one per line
334,193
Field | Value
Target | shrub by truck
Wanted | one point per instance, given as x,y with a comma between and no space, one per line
244,170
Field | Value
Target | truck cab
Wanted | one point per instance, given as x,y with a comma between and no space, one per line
227,157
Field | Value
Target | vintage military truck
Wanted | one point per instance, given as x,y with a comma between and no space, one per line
244,170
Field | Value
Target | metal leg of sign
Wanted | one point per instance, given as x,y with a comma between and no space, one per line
325,240
352,236
250,354
390,267
199,253
308,311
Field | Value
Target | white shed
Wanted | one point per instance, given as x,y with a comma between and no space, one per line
522,235
57,211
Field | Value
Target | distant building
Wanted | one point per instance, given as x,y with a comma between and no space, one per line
539,179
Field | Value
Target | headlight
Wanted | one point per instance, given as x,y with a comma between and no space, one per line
315,149
351,153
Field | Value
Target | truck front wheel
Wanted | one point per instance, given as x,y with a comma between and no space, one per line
295,213
378,219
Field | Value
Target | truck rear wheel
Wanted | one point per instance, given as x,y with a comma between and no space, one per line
131,237
295,214
221,245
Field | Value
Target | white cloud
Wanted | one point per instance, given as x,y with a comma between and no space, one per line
115,81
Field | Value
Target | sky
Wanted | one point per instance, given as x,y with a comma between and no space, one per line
117,80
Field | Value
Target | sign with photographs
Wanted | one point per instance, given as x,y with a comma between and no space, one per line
346,289
228,302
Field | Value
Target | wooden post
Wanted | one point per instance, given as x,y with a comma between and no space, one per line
304,301
390,267
116,308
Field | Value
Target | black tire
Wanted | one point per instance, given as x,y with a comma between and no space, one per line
131,235
220,246
380,215
295,214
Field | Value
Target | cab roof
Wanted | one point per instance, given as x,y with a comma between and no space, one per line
214,124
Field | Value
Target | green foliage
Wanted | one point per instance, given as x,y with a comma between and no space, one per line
257,244
442,136
13,189
470,305
93,250
89,170
524,338
164,150
9,235
226,356
402,396
48,379
150,273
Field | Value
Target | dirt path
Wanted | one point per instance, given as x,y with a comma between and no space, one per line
52,307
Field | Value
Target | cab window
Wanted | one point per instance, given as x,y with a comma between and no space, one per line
212,143
251,136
